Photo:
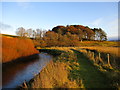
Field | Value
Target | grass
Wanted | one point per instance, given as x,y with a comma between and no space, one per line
91,76
71,68
112,72
111,50
13,48
98,43
54,75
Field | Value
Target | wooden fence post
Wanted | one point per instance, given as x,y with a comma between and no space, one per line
99,56
108,56
24,84
93,56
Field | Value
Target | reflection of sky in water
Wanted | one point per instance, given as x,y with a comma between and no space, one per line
28,72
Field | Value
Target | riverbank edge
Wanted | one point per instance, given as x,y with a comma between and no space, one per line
21,59
55,53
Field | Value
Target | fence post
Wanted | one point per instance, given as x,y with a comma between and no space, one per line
108,56
24,84
99,56
93,56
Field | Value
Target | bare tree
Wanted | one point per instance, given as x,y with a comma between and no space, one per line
21,32
38,34
29,32
34,34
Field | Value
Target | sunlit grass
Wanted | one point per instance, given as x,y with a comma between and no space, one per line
73,68
55,75
13,48
112,50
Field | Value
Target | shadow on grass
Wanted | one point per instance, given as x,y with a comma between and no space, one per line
90,75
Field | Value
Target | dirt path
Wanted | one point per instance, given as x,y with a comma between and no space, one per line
91,76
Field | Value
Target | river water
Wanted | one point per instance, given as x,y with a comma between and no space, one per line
15,74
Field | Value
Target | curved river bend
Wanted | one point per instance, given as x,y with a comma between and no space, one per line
15,75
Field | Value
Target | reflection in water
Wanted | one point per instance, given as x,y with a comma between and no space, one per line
15,74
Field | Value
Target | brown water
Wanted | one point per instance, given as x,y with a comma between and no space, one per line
14,75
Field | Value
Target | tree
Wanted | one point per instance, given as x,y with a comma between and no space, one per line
21,32
38,34
89,34
34,34
51,38
60,29
29,32
100,34
103,35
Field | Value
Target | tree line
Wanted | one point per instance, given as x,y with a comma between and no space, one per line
70,35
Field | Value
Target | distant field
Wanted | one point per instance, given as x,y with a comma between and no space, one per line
98,43
112,50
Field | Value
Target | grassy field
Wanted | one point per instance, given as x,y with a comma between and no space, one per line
74,67
111,50
100,43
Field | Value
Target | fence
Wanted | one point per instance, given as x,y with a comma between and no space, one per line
104,59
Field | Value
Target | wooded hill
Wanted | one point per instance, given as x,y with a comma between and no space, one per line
69,35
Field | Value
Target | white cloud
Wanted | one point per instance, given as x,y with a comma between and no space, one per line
24,4
109,25
114,24
113,28
5,28
97,22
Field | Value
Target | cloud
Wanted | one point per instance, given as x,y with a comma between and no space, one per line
5,27
24,4
113,27
114,24
109,25
97,22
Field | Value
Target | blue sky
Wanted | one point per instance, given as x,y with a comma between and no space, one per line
46,15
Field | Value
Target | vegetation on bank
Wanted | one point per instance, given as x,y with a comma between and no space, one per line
14,48
56,74
74,68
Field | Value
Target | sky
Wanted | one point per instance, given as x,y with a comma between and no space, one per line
46,15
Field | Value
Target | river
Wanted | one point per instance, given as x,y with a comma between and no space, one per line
15,74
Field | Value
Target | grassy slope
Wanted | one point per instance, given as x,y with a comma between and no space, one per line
54,75
13,48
